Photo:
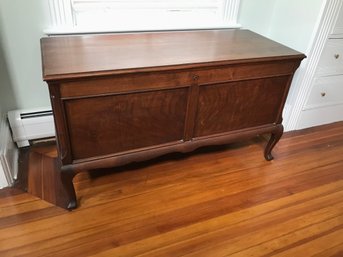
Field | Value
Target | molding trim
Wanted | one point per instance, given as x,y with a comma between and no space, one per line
316,106
3,180
61,14
304,83
8,154
6,179
68,31
231,10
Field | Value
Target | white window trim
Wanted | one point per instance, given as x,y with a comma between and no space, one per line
63,21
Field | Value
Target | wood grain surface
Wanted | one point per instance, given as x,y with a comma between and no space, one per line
118,123
221,107
210,203
112,54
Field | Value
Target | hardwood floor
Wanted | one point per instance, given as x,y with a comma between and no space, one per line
221,201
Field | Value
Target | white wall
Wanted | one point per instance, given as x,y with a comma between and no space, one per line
7,98
289,22
256,15
294,22
21,86
21,27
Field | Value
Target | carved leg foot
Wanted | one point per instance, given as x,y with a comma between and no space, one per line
69,201
275,137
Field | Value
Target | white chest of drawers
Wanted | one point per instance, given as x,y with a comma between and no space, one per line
324,103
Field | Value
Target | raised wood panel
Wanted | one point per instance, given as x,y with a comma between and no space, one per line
221,109
119,123
163,80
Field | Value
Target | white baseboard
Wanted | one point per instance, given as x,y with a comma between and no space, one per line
8,155
320,116
286,115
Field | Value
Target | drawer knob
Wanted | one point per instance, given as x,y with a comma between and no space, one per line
323,94
336,56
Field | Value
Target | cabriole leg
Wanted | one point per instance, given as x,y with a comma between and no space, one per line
70,201
275,137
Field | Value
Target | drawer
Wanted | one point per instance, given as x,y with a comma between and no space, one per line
326,91
338,29
331,60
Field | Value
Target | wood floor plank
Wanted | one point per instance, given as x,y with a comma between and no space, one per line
144,207
249,239
16,200
315,246
336,251
13,210
221,201
88,238
286,241
228,227
225,178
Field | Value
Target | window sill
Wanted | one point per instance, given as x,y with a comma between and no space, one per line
72,31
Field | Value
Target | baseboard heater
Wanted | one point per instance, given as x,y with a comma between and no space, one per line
31,124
